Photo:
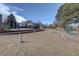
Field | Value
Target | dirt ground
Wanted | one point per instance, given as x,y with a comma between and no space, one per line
46,43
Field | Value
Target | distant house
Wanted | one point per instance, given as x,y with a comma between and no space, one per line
26,24
29,24
22,24
74,24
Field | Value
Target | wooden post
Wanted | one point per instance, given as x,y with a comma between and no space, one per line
19,43
20,37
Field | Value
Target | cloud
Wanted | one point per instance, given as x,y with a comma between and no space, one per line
5,10
20,18
17,8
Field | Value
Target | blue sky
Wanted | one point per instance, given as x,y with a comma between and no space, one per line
43,12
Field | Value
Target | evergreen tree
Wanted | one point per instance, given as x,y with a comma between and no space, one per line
66,12
0,21
10,22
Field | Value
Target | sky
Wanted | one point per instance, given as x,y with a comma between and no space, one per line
43,12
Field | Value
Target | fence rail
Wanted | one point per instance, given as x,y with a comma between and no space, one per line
21,31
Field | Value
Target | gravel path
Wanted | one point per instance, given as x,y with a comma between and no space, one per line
45,43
